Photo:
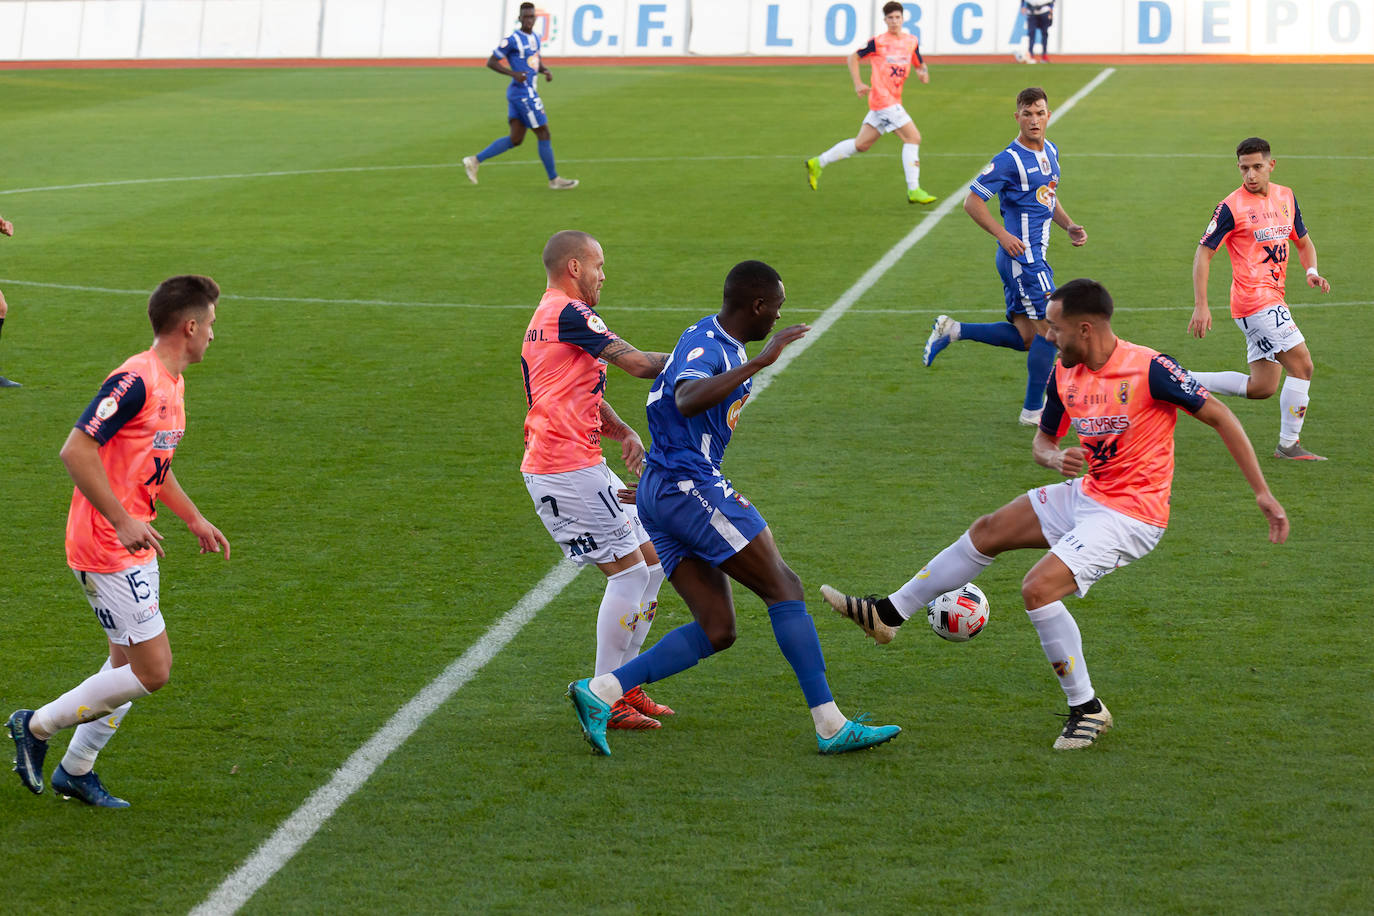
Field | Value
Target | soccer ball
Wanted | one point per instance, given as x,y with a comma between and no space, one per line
1020,56
959,615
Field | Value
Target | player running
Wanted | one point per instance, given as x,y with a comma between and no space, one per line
1025,179
120,457
518,58
1255,221
563,360
707,533
1122,401
893,55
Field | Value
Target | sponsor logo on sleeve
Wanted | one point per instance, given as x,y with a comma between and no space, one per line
694,353
987,169
596,324
106,408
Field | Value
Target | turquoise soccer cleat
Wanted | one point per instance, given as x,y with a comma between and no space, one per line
593,714
86,788
856,735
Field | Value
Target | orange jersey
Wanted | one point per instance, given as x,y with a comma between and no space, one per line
138,417
893,57
1124,414
565,382
1256,230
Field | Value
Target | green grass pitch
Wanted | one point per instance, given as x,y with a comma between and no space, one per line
355,431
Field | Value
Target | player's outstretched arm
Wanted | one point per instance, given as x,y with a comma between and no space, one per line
1307,254
1067,461
1201,322
81,455
631,446
1218,416
621,353
174,497
692,396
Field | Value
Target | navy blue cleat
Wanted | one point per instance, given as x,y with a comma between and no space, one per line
86,788
28,751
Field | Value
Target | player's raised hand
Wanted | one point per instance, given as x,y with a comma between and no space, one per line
1316,281
1201,322
1278,519
773,349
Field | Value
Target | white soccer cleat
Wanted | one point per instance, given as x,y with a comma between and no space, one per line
470,165
1030,417
562,184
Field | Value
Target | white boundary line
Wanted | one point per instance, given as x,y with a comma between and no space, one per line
239,887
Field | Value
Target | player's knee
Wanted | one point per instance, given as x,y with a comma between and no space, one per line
1036,592
861,146
1259,389
721,635
983,533
154,675
516,141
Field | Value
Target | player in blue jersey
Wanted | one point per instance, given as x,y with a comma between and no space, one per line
704,531
518,58
1025,179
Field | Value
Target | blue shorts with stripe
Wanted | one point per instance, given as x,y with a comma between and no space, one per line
1025,286
528,110
705,519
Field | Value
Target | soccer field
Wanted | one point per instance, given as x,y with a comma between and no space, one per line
355,431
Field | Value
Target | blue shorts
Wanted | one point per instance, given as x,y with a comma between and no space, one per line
527,110
710,521
1024,286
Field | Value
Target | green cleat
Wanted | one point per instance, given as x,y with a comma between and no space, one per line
856,735
593,714
917,196
813,172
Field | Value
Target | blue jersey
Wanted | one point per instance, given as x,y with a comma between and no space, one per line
1026,183
520,50
691,448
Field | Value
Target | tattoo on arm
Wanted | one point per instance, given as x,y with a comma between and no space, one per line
618,349
612,427
612,352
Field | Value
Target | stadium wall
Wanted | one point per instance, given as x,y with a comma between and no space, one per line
76,30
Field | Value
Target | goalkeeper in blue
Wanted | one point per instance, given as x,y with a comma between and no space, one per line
706,533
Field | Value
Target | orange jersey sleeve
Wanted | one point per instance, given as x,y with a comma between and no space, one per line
565,383
138,418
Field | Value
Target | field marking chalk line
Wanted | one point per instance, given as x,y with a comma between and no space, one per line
240,886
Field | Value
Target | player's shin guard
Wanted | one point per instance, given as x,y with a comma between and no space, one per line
842,150
996,333
795,632
618,616
678,650
101,693
1293,406
954,567
546,156
648,605
1235,384
911,164
1063,646
1039,362
89,740
495,148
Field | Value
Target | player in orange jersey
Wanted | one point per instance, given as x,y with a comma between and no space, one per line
120,457
1256,221
1122,400
6,228
893,55
563,358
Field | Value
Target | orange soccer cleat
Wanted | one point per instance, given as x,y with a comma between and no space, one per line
641,701
626,717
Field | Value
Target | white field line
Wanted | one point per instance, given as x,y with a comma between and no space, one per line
692,308
239,887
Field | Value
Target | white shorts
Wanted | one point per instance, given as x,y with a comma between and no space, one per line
1090,538
886,120
582,514
1269,333
125,602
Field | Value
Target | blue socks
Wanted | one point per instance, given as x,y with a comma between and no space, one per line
546,154
678,650
1039,362
998,333
795,632
496,148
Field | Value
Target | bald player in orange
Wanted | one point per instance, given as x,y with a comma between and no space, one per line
893,55
1122,400
563,360
120,457
1256,222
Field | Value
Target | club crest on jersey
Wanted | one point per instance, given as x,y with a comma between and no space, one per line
596,324
987,169
1211,227
1123,392
694,353
106,408
732,416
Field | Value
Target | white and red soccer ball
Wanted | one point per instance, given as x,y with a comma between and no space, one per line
959,615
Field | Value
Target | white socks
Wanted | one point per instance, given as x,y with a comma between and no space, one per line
1293,406
618,615
89,739
607,687
828,718
954,567
1232,383
842,150
911,164
1063,646
648,605
101,693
